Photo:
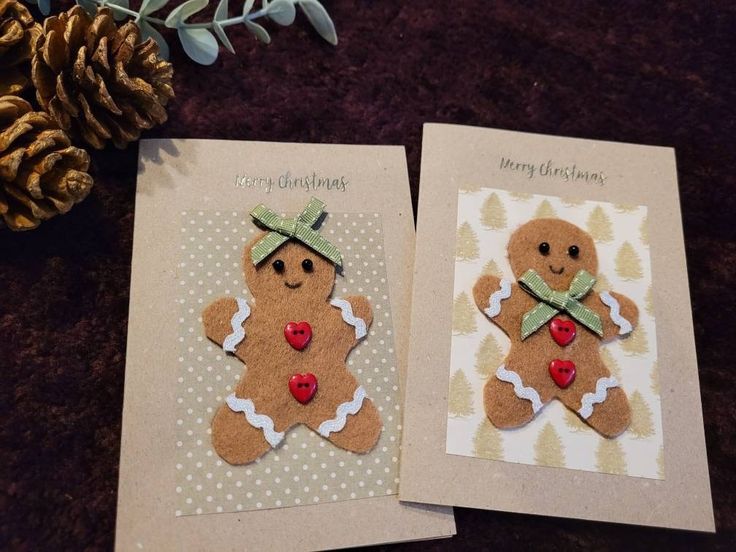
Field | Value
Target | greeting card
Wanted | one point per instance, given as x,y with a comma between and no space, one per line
560,375
266,351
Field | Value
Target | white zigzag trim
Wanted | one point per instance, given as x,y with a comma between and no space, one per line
339,421
528,393
601,392
611,302
259,421
236,323
494,301
361,329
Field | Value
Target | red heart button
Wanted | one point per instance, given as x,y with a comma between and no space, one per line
562,372
298,334
562,331
303,387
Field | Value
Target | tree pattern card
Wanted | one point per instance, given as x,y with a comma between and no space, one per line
557,437
266,350
555,372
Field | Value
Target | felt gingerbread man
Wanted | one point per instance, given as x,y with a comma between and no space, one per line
294,342
556,324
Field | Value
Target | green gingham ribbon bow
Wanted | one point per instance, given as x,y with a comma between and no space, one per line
555,301
300,228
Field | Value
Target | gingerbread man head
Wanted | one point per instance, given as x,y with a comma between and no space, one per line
293,269
556,249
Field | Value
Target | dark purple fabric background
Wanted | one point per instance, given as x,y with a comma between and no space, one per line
646,72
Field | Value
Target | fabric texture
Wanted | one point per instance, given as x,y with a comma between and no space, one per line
637,72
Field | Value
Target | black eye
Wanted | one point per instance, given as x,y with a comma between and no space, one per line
278,265
544,248
307,265
573,251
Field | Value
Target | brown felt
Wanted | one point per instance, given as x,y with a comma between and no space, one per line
270,361
531,358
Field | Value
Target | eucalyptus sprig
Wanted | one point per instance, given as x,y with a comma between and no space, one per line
199,40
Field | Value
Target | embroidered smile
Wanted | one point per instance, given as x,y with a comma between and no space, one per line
560,271
292,286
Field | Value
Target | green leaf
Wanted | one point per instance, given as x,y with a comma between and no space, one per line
259,32
248,6
181,13
149,31
221,15
44,6
199,44
281,12
320,20
117,15
150,6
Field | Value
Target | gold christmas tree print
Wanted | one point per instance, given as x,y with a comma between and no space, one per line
548,450
610,362
660,463
460,401
572,201
466,248
574,422
609,457
545,210
628,263
492,213
644,231
599,225
520,196
649,302
487,441
642,425
463,315
601,283
491,269
654,377
636,343
488,357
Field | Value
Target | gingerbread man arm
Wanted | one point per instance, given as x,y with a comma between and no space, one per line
218,318
501,301
361,310
618,313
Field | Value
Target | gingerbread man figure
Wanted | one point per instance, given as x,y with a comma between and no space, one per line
294,341
556,324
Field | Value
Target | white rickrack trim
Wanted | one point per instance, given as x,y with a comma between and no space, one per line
361,330
339,421
528,393
494,301
236,323
601,392
611,302
259,421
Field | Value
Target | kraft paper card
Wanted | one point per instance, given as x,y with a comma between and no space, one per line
557,374
267,348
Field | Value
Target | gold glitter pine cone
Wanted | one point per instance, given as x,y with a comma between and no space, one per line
97,80
18,32
41,173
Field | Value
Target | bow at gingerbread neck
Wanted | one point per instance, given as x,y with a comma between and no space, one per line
300,228
552,302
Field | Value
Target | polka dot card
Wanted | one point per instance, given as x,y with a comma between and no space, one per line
267,349
552,366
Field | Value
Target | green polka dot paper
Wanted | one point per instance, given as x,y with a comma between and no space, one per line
556,437
305,469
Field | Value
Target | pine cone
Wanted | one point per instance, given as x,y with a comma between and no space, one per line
18,33
97,81
41,173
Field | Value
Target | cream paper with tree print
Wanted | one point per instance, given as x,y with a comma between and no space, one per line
557,437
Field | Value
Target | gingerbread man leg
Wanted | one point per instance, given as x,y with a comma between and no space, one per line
234,439
355,425
603,406
504,407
